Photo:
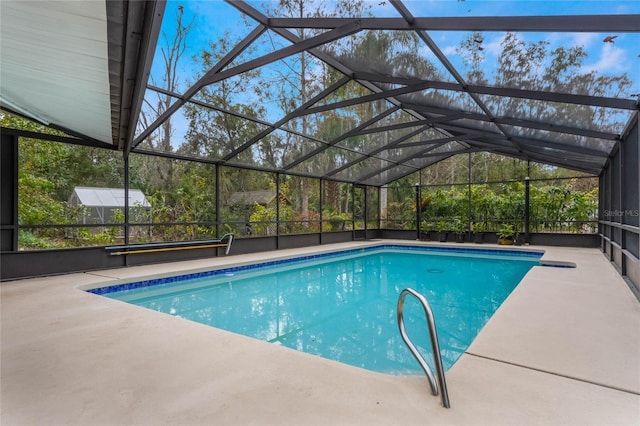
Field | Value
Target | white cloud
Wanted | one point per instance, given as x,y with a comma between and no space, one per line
612,59
584,39
573,39
450,50
626,8
494,45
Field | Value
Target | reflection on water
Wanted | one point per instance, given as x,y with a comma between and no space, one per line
345,310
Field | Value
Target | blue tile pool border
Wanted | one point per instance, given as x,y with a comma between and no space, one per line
260,265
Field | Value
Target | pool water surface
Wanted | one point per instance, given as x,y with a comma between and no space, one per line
344,308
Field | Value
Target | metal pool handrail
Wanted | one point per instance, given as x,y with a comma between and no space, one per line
433,335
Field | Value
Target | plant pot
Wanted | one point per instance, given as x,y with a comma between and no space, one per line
505,241
478,237
459,237
442,236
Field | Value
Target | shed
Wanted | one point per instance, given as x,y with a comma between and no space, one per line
101,203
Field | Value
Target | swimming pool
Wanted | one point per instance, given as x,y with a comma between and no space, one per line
342,306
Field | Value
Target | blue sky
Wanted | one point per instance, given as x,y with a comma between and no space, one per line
215,18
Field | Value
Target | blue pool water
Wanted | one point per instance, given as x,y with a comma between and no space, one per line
344,307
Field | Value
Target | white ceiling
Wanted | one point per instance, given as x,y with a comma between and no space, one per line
54,64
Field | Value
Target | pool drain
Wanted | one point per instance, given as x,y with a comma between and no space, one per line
435,271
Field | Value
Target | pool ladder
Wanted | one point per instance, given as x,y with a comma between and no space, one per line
435,346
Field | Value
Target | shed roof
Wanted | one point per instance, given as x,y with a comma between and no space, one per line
109,197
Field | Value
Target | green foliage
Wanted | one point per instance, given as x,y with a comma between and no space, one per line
442,226
507,231
36,202
567,205
185,192
263,220
335,221
29,240
478,226
459,226
445,203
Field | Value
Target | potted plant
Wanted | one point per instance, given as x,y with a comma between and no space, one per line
458,228
433,230
506,234
441,227
478,229
426,230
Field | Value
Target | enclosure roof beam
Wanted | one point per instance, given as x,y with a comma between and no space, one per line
539,95
287,117
455,114
566,98
588,167
288,35
239,166
416,123
325,144
230,56
342,137
517,122
571,150
210,106
456,152
540,142
247,9
403,175
527,142
397,162
350,27
552,160
370,98
560,24
215,74
457,138
491,139
407,16
373,153
362,179
230,112
396,143
445,155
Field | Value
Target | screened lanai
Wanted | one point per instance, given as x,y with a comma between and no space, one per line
334,104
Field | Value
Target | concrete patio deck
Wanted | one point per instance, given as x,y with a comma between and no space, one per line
563,349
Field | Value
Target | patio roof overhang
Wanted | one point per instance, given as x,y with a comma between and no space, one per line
79,67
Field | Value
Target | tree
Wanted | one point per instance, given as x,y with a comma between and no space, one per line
532,66
302,76
172,52
47,174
